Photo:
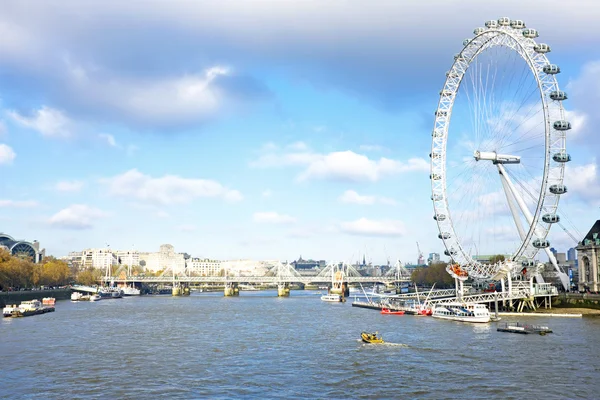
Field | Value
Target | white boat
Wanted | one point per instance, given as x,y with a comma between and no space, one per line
130,291
76,296
95,297
8,310
333,298
464,312
110,293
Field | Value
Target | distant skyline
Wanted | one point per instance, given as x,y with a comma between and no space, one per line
255,130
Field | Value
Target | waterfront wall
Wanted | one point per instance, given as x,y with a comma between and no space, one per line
579,300
18,297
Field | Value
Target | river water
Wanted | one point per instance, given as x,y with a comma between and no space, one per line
262,346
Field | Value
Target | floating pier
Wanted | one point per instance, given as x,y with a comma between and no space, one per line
516,327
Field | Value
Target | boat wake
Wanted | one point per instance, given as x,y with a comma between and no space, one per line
384,344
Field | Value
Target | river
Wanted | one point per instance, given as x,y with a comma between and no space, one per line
262,346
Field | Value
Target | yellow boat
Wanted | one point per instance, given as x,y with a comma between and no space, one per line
371,337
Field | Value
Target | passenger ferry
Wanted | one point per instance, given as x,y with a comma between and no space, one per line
333,298
462,312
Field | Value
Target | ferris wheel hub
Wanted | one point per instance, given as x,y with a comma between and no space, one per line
496,158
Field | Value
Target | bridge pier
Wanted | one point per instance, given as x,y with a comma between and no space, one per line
181,289
231,289
341,288
283,289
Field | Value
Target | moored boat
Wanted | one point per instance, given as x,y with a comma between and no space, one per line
130,291
371,337
464,312
95,297
333,298
110,293
48,301
8,310
76,296
391,312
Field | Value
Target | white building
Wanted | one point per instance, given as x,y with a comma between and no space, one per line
98,258
246,267
165,258
204,267
130,258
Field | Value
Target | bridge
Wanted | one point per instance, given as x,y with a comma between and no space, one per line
338,274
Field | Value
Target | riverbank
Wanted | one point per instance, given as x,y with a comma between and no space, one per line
586,312
17,297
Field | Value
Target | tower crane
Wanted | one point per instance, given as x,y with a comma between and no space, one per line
420,260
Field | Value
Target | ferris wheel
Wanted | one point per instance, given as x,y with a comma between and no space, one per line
497,171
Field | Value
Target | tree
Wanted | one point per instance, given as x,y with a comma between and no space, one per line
435,273
55,272
496,258
89,276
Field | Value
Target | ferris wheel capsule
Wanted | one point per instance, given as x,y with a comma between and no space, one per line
478,31
504,21
541,48
558,95
530,33
551,69
491,24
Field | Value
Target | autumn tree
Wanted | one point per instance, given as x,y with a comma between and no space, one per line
55,272
89,276
496,258
435,273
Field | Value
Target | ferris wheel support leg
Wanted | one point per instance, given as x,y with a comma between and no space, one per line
509,280
564,279
503,292
511,204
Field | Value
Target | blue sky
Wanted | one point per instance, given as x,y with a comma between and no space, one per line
259,129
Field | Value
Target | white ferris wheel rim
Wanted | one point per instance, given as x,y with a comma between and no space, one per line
555,140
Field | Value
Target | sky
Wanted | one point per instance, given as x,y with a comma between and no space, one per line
254,129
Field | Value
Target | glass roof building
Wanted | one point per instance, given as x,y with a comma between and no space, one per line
22,248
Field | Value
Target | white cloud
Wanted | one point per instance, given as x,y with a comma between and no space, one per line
273,217
76,216
341,165
109,139
352,197
267,193
187,228
162,214
298,146
19,204
347,165
69,186
47,121
367,227
169,189
164,100
7,154
583,181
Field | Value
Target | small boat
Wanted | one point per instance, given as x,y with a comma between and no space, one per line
333,298
516,327
392,312
371,337
76,296
8,310
130,291
48,301
95,297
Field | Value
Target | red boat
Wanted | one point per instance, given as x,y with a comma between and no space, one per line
388,311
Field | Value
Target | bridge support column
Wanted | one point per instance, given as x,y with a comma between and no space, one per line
283,289
232,289
177,290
